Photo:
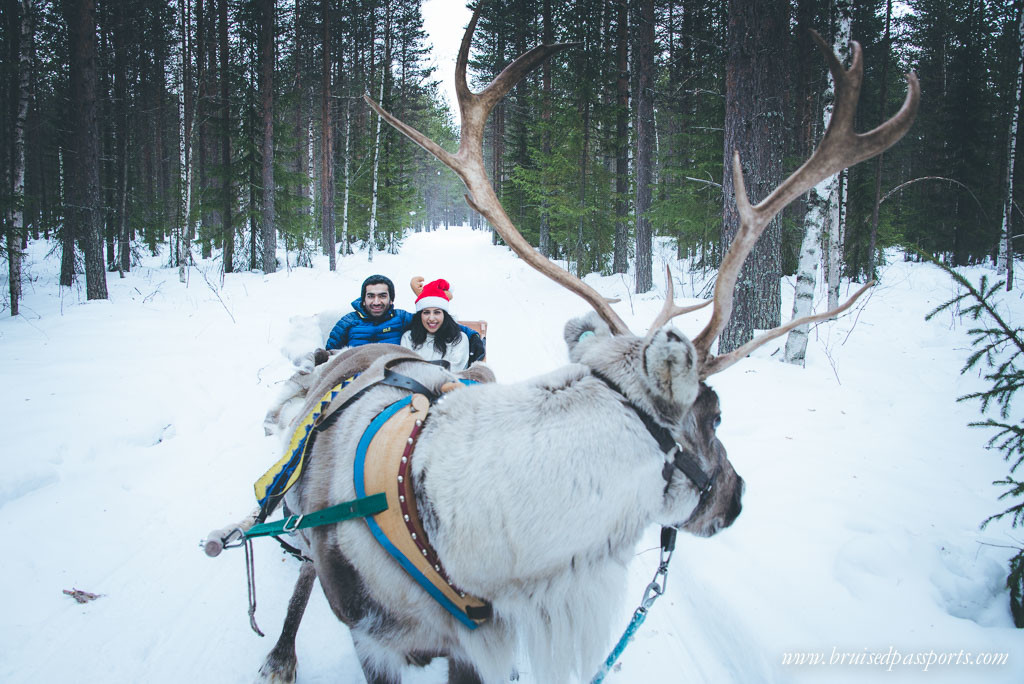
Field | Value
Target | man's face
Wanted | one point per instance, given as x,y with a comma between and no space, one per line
376,300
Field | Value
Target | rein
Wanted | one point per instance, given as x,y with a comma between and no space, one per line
654,590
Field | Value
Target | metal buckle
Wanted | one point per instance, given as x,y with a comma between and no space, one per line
234,539
290,526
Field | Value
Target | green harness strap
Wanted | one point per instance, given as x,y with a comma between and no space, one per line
357,508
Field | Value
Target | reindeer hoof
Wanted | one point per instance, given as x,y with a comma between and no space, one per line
277,669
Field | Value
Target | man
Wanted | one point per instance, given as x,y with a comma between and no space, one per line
375,319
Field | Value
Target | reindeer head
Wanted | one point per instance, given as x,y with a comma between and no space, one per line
663,373
659,376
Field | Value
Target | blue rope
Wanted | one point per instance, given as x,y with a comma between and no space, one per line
638,619
655,589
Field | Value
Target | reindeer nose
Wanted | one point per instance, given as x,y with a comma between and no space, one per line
736,505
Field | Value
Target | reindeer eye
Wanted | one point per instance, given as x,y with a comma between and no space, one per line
717,422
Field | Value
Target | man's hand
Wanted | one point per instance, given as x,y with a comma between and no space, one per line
477,350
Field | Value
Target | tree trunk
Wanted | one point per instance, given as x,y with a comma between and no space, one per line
620,259
209,219
644,143
326,142
17,225
581,266
836,238
385,65
84,209
348,178
227,226
269,229
822,215
1005,261
185,142
545,115
124,259
757,38
887,41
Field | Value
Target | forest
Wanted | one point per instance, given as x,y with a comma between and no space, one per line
231,129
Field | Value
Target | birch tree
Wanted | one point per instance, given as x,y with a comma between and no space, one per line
836,191
1004,264
620,259
225,141
822,214
347,174
873,243
185,140
17,224
326,141
385,65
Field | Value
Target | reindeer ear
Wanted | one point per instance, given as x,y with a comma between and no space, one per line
671,368
580,332
417,285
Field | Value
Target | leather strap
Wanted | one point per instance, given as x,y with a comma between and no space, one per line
681,458
405,382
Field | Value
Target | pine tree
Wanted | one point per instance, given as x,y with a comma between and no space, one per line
998,346
84,209
758,36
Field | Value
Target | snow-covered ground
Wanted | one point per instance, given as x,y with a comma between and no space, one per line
133,426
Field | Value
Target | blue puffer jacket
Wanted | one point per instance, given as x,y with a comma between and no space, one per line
356,328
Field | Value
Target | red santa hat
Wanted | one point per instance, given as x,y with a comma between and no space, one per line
435,294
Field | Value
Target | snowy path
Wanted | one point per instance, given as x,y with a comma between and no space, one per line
134,426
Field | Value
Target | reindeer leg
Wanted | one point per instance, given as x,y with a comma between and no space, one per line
279,667
460,672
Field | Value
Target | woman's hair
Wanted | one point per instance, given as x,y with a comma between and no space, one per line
448,333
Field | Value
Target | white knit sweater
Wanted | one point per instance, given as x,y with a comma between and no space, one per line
457,354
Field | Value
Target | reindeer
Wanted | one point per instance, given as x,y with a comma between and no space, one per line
534,495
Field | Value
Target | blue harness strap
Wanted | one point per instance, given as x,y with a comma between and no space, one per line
359,477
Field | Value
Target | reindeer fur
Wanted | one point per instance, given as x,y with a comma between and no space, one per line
534,496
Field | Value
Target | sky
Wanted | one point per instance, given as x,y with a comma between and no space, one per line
445,23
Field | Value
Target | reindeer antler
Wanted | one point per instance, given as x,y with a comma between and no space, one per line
468,162
669,310
840,147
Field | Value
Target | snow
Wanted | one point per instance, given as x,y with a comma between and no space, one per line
133,427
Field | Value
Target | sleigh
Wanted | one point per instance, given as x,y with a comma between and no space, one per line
481,328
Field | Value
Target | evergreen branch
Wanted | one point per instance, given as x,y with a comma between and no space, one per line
982,299
1017,511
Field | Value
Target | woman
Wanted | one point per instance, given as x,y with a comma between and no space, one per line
434,334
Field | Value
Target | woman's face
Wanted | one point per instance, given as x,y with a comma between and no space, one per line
432,318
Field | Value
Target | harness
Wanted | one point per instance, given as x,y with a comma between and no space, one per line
384,491
383,466
676,457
